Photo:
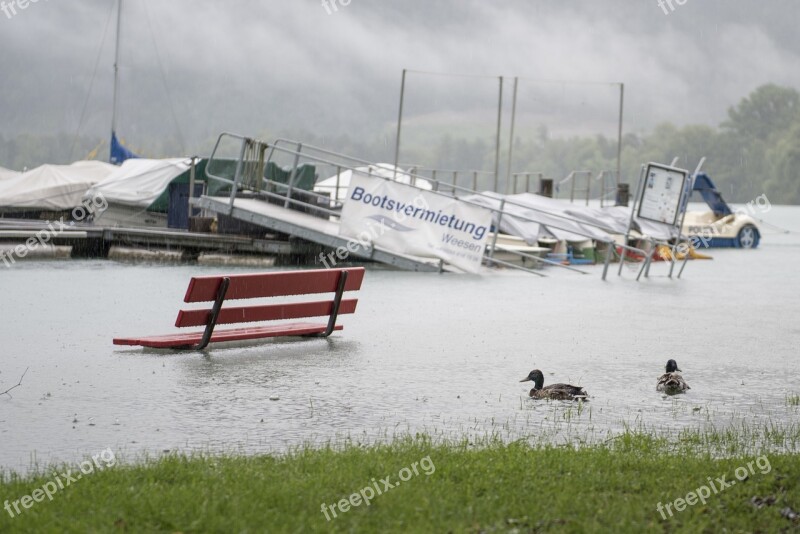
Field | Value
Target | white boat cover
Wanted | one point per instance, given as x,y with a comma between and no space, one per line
615,219
383,170
139,182
52,187
532,216
7,173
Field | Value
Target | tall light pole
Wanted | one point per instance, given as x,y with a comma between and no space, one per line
511,138
497,142
399,123
619,132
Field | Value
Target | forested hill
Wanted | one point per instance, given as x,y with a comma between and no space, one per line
755,151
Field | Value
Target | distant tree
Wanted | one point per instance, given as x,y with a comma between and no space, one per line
769,110
783,186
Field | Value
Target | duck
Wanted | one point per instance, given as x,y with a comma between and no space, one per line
672,382
553,391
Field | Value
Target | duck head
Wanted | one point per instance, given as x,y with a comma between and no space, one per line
536,377
672,366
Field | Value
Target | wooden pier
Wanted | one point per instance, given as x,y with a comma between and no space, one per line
93,241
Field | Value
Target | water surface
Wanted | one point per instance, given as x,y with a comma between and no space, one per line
441,354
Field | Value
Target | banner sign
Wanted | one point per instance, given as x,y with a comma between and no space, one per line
407,220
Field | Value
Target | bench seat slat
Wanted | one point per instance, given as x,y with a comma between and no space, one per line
239,334
269,312
260,285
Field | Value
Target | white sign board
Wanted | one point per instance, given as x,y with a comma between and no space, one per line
407,220
661,194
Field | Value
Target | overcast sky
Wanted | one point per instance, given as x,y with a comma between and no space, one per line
198,67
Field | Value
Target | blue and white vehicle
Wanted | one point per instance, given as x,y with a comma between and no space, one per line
720,226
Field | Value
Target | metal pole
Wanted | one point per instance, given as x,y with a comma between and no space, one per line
191,183
588,186
685,261
604,190
653,250
572,188
645,267
511,138
399,123
497,228
116,69
609,248
673,254
338,173
238,174
630,221
688,190
619,131
497,144
293,176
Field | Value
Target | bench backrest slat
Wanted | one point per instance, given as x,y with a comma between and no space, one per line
270,312
260,285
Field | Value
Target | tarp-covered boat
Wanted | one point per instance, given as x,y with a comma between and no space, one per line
137,191
533,217
383,170
51,187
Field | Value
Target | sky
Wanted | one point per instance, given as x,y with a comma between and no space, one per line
191,69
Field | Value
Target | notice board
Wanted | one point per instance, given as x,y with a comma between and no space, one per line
661,193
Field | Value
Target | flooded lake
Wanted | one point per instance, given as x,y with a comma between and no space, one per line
441,354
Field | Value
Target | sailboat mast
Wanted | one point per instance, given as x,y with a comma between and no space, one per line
116,69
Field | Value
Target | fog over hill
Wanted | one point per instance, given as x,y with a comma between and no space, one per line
190,69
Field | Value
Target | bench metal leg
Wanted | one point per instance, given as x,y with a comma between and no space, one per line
212,321
337,300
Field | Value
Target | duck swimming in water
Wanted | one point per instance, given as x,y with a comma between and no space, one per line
672,382
553,391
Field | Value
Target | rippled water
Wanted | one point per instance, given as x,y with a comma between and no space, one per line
424,352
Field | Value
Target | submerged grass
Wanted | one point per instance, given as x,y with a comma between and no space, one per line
488,486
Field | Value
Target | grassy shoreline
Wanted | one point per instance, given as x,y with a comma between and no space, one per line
492,487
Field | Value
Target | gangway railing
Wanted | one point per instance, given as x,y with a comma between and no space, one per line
572,179
608,187
447,179
299,152
525,179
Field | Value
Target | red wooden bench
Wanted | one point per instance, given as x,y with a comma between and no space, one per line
219,289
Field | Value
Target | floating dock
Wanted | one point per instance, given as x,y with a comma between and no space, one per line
91,241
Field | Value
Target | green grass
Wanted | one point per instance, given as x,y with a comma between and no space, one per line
793,399
489,487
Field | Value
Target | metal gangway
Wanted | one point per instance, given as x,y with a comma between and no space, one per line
251,196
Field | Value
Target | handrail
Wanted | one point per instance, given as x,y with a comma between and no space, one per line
418,170
572,178
472,192
527,176
606,191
